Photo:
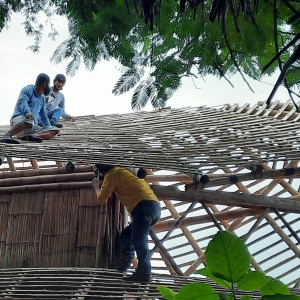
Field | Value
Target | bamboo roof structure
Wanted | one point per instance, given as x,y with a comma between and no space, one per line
183,139
233,167
84,283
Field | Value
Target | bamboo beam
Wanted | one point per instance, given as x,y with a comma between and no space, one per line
160,245
34,164
44,187
46,179
226,198
283,235
11,164
42,172
233,178
176,177
184,229
227,215
176,225
294,234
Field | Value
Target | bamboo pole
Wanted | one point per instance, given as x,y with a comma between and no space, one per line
11,164
44,179
283,235
43,172
227,215
166,253
233,177
44,187
34,164
101,259
216,197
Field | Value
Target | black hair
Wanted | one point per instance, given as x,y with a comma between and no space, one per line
60,77
103,168
41,79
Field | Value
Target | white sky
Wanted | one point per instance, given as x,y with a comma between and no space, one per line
89,93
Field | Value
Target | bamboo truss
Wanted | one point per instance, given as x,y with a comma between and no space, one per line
260,205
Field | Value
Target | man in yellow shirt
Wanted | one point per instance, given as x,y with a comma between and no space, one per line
141,202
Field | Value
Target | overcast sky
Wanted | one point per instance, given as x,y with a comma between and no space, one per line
89,93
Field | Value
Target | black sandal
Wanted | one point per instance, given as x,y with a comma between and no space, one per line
8,141
32,138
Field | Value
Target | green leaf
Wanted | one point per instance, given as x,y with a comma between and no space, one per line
280,297
195,291
274,287
128,80
224,296
292,76
246,297
253,281
221,282
146,45
166,292
227,257
140,96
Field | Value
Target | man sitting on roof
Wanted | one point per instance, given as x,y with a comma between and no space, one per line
141,202
29,109
56,102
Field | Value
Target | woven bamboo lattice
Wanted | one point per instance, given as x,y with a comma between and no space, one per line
259,205
84,283
184,139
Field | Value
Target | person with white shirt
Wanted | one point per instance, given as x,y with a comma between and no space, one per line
55,102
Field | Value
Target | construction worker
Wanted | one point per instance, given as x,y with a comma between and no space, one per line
141,202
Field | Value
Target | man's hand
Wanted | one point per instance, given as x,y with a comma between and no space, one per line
70,118
29,116
96,185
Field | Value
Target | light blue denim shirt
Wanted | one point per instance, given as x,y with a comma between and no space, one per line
30,101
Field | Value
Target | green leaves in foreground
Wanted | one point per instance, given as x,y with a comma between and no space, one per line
228,264
227,257
190,292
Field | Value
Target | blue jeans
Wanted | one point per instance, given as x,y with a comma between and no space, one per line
55,114
135,235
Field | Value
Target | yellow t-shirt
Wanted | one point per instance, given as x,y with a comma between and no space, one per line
129,189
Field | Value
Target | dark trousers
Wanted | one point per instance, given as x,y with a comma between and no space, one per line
135,235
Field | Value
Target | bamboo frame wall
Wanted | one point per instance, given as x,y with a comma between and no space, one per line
260,207
59,228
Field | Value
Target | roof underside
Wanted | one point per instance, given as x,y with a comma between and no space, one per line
172,144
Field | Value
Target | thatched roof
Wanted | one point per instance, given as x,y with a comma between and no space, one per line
250,154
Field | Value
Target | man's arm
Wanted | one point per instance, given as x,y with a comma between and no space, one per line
23,100
96,186
104,191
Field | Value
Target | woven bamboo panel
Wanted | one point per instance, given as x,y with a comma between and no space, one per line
183,139
56,229
84,283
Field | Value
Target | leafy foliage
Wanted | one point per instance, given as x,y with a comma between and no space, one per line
228,264
224,259
172,39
